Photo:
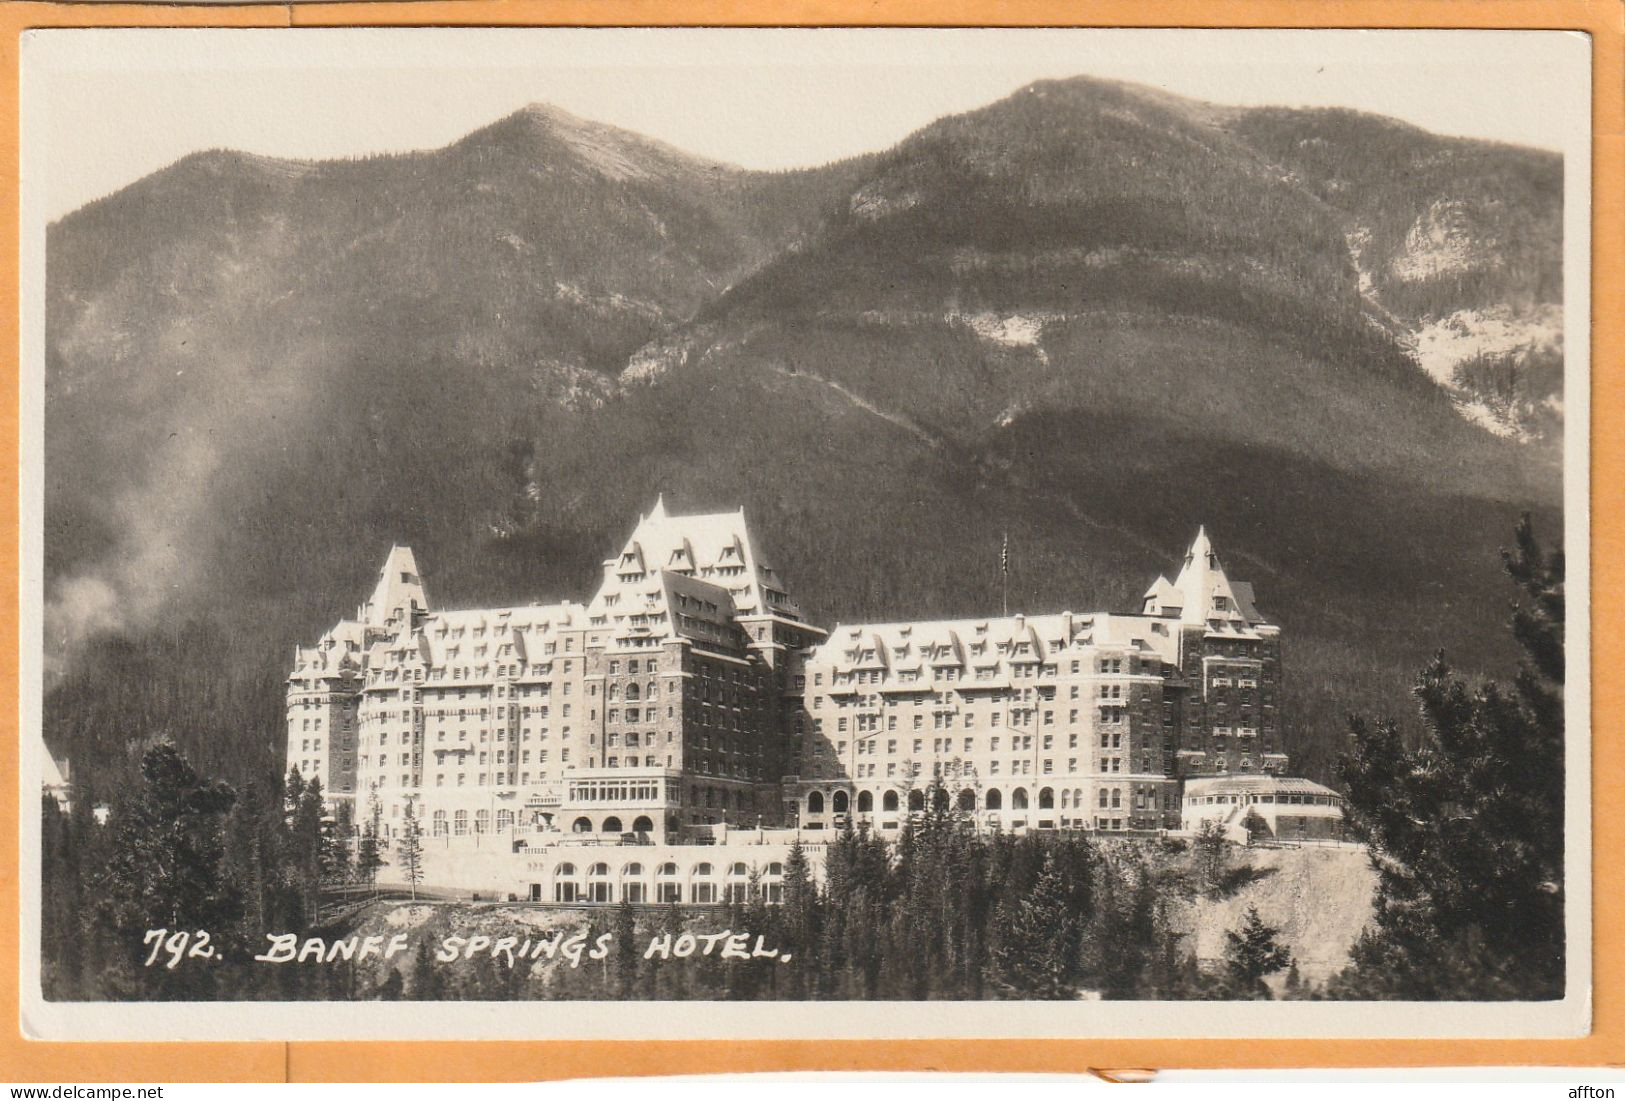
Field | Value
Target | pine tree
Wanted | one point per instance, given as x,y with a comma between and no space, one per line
800,919
1251,953
666,977
1211,856
1466,830
61,903
166,869
410,850
428,985
368,859
393,988
305,847
1035,952
335,846
293,794
626,951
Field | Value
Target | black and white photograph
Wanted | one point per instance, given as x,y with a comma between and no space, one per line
1082,532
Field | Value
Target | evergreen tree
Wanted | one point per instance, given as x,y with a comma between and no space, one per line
1466,830
1295,990
368,857
61,903
335,846
246,849
428,985
410,850
166,869
666,977
1035,950
626,953
393,988
305,845
800,920
1211,856
293,794
1251,953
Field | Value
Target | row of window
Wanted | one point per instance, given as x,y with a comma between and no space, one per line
966,800
950,671
699,886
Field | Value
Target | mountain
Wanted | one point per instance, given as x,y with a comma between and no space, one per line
1090,315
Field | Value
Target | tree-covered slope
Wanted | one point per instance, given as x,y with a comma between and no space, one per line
1089,315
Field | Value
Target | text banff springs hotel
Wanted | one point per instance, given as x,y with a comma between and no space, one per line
672,738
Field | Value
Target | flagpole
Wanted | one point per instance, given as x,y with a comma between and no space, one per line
1004,571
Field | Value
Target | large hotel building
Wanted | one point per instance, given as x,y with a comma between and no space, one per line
690,692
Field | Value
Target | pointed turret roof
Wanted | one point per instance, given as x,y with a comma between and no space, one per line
1203,593
399,588
715,547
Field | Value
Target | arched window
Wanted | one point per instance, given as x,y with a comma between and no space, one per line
459,823
614,692
739,882
632,888
702,887
632,692
866,802
1046,799
1018,799
967,799
839,802
815,802
1077,798
565,888
440,823
994,800
916,800
1117,797
1066,799
888,801
668,888
643,824
582,825
611,824
599,888
504,820
482,821
773,883
651,692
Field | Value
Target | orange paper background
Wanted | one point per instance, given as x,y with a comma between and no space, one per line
23,1061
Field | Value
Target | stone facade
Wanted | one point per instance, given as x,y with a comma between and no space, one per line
689,693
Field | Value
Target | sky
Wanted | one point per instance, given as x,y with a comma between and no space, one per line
102,108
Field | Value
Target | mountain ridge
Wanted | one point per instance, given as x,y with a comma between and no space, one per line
1086,315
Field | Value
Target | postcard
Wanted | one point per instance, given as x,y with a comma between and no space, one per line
795,533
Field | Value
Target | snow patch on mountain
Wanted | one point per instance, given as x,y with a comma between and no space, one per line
1440,344
1014,331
